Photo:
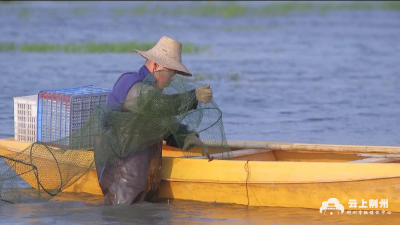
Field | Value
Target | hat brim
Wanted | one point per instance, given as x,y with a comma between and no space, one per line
170,64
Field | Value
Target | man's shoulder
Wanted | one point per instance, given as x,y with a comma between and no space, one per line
132,72
129,73
127,76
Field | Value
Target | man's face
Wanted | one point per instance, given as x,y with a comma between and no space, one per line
164,76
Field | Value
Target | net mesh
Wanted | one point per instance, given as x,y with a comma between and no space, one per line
159,111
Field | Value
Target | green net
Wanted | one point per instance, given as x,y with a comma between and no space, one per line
157,111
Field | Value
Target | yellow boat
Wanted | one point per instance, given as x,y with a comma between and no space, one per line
274,174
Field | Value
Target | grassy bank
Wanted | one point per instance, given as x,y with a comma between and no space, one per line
231,76
119,47
246,28
239,9
7,47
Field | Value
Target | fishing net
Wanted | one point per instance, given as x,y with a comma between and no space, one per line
114,131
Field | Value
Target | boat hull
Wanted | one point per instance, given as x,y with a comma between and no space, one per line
318,183
263,180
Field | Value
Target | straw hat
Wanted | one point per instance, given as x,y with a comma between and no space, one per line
167,53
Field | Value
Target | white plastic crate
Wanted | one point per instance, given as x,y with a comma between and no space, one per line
25,110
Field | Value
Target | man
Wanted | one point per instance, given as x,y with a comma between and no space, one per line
136,177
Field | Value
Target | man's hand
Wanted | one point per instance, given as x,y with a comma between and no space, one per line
190,141
204,94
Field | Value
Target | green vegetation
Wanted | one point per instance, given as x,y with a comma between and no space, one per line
236,85
246,28
119,47
237,9
197,76
202,76
390,5
231,76
79,11
23,13
7,47
233,9
141,10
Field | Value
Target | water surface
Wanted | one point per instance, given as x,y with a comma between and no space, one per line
306,77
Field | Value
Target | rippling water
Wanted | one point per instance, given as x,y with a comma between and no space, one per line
86,209
309,78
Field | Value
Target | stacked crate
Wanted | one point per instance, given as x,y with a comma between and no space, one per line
25,110
62,112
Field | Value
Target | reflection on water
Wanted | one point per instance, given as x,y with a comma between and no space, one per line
87,209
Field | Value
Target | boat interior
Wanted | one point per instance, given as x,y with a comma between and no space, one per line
9,146
287,156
